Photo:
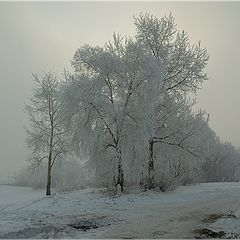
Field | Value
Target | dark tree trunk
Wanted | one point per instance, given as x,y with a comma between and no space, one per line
48,189
151,180
49,172
120,175
50,160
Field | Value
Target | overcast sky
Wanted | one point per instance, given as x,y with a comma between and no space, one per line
36,37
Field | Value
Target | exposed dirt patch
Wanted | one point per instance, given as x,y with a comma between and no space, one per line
83,225
93,222
204,233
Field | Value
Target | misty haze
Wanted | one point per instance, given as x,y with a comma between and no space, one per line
119,120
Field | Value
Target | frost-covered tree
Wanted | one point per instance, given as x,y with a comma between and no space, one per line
127,100
114,90
176,129
127,112
184,68
223,165
45,134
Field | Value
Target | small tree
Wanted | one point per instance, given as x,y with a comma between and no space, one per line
45,137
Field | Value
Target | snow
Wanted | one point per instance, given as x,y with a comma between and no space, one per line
27,213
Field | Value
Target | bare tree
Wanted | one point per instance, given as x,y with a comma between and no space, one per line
45,136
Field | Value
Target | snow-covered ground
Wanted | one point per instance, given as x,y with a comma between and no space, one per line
27,213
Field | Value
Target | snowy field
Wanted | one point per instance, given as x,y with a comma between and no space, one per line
90,213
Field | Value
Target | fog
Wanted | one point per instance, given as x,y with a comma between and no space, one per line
38,37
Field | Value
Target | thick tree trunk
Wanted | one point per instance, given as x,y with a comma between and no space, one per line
151,180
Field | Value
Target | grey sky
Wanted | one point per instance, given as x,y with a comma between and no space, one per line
43,36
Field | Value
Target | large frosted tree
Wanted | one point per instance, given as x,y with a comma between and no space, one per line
115,89
123,98
184,66
45,134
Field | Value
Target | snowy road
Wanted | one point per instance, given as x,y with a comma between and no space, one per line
26,213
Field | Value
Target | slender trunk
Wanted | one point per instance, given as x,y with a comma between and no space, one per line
49,170
49,175
151,180
120,175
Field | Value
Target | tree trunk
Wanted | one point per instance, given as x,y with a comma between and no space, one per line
48,189
120,175
49,172
151,180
